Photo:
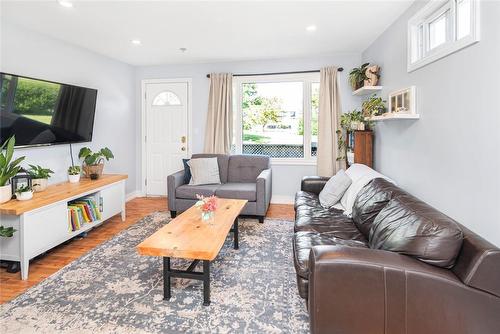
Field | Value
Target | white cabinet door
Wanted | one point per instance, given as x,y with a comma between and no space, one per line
45,229
112,200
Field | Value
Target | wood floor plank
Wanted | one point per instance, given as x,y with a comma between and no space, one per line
43,266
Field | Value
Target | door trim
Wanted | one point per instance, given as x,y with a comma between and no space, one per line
144,82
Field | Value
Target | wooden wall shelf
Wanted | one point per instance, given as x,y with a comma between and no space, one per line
367,90
389,117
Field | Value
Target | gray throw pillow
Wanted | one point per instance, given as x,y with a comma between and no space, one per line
334,189
204,171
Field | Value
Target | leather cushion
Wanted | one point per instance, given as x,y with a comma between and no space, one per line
303,241
411,227
370,200
238,191
190,191
306,199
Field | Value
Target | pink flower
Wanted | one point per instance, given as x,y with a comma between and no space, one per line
208,204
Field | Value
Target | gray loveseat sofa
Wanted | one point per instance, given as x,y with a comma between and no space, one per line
242,177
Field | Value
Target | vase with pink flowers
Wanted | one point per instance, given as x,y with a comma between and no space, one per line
207,205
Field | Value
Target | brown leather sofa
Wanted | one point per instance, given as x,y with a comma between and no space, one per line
397,266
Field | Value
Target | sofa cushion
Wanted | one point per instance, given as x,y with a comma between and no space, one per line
187,191
306,199
204,171
222,160
246,191
370,200
303,241
411,227
246,168
334,189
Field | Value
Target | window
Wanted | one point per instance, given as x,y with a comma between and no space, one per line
277,116
441,28
166,99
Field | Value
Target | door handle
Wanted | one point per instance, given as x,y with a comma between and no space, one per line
183,148
183,139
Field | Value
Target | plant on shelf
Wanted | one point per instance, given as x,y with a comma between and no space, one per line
350,121
373,106
7,232
93,162
8,168
24,193
39,176
357,76
74,174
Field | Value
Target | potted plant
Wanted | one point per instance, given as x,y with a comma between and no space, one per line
74,174
39,176
24,193
7,232
373,106
357,76
8,168
93,163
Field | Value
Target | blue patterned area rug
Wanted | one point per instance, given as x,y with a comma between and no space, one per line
114,290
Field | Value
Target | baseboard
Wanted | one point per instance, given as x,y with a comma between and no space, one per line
282,199
133,194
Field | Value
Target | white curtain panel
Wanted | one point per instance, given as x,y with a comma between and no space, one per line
328,123
219,128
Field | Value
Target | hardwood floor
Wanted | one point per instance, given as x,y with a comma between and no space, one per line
42,267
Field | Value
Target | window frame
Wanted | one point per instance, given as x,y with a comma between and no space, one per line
307,79
419,43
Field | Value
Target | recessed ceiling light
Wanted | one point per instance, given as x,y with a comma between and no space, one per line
136,42
182,50
65,3
311,28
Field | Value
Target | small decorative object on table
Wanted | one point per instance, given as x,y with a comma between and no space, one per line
207,205
74,174
39,177
8,168
24,193
403,101
23,178
93,163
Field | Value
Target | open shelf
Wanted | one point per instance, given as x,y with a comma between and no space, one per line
367,90
390,116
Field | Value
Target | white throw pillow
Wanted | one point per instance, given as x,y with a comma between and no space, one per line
204,171
334,189
360,175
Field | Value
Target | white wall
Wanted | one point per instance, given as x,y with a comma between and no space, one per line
286,179
449,158
31,54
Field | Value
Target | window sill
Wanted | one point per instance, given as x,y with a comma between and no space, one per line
292,162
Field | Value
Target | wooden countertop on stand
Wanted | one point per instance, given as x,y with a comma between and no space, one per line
58,192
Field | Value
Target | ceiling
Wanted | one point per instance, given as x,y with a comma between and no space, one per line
212,31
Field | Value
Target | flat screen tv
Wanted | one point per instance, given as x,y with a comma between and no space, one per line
40,112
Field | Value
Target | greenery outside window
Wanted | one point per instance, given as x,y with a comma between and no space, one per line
277,116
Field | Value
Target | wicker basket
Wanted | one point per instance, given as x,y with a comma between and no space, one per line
93,169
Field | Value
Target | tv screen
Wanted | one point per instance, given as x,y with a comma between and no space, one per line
40,112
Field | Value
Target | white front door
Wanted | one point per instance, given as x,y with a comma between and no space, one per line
166,133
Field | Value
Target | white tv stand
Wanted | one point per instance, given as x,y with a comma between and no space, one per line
42,222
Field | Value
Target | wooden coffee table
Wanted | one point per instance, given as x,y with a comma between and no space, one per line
188,237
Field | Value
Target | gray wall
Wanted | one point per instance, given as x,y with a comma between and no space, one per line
286,179
31,54
450,157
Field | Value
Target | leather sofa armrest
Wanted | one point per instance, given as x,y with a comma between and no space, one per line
362,290
264,191
313,184
173,182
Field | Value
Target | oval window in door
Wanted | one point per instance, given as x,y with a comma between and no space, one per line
166,98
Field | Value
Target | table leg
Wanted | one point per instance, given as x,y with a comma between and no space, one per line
166,278
235,233
206,282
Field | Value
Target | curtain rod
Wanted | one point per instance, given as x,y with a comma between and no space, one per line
340,69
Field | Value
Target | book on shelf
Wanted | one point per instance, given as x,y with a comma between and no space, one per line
82,211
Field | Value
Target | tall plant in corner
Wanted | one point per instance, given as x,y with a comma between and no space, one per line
8,168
